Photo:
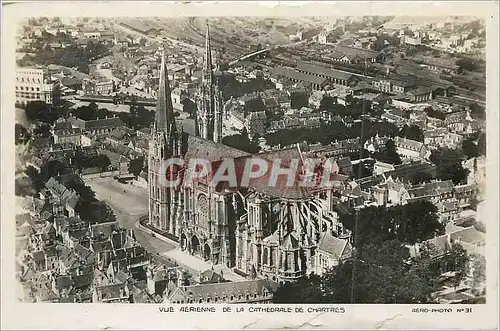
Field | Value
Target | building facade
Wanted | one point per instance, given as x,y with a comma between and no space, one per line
99,88
35,85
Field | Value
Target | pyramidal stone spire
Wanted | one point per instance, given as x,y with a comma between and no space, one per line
164,118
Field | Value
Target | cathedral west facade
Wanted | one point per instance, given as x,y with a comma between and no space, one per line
259,230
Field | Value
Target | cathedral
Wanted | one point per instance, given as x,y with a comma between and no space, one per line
258,230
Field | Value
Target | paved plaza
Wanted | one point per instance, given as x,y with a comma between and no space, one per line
130,203
127,198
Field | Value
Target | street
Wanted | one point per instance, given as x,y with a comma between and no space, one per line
129,203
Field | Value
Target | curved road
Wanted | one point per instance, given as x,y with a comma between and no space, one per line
129,203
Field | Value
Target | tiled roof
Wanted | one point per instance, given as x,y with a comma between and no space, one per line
464,188
367,182
38,256
344,162
84,253
203,148
332,245
228,289
270,102
63,282
63,125
421,90
122,276
405,171
83,280
104,123
323,71
210,276
290,241
436,62
115,291
69,81
68,132
101,246
294,74
103,228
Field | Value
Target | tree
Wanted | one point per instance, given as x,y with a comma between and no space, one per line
421,177
85,193
418,222
468,64
327,103
384,274
86,204
37,111
189,106
53,168
481,144
477,111
35,178
136,165
23,188
470,148
339,110
305,290
413,132
241,142
389,154
42,130
479,271
142,41
21,134
449,165
457,260
103,162
431,112
410,223
362,169
299,100
91,112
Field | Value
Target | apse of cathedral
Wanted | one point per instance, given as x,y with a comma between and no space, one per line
259,230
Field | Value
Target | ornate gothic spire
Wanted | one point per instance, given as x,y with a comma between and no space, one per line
206,103
207,65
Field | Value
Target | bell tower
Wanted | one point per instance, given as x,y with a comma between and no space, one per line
162,145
